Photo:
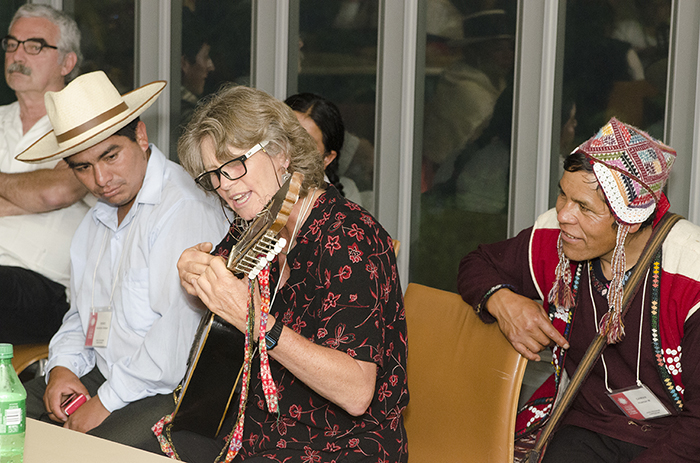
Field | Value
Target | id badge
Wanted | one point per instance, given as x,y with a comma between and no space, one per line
639,403
98,327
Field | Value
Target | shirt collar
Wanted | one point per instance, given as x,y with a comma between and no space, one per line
150,192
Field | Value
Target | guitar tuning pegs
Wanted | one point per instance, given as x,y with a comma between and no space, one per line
279,245
260,265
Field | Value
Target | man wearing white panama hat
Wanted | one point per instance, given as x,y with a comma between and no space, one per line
125,339
40,206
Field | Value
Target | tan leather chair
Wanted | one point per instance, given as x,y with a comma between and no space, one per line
26,354
397,246
464,378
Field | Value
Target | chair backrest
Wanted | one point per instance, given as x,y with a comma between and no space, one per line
464,378
397,246
26,354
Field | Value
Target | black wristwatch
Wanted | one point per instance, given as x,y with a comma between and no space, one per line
272,336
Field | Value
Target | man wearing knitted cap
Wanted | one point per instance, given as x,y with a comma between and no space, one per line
576,259
125,340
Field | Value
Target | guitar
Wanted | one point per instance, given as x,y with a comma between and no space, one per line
217,356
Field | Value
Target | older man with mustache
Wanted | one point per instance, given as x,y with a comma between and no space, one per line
40,208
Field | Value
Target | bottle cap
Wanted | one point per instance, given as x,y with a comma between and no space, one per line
5,351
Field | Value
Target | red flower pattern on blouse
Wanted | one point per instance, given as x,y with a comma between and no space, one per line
312,456
331,301
333,244
384,392
356,231
354,253
345,273
345,300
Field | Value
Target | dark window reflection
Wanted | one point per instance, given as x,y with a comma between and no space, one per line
467,134
615,63
215,49
338,60
107,30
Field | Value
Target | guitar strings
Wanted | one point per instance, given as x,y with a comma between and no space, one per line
266,244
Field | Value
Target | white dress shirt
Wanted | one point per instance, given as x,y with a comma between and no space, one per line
153,319
38,242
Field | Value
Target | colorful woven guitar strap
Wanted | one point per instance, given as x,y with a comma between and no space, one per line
165,444
235,439
269,387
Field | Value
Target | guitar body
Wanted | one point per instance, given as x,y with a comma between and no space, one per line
215,370
218,353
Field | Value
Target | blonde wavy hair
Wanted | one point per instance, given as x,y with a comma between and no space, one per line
240,117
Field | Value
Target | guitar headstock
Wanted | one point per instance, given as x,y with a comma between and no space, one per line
260,243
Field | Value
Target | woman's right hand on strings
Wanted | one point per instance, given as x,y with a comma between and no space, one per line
192,264
225,294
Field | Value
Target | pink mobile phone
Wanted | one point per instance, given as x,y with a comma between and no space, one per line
71,404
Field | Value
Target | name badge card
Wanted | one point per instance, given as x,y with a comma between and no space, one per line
639,403
98,327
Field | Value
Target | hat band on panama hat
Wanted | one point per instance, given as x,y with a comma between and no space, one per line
86,112
94,122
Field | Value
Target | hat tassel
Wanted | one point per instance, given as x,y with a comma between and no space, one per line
560,295
611,323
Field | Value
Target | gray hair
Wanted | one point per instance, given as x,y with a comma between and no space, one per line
241,117
70,34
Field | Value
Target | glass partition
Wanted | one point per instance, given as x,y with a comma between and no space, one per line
338,61
215,50
469,64
107,38
614,64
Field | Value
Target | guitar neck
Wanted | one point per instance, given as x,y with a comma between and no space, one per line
261,242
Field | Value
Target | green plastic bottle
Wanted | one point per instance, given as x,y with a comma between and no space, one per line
12,410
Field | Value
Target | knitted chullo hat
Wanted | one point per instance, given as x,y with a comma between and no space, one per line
632,169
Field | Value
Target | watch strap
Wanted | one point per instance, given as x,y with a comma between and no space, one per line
272,336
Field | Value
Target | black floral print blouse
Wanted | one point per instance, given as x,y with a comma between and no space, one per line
344,293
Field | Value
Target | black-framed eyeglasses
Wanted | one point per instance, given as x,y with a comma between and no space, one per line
32,46
232,170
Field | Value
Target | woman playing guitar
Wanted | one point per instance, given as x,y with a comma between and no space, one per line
330,382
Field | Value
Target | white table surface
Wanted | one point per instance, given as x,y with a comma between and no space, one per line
46,442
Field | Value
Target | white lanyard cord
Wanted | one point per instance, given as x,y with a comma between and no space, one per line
308,201
119,266
97,264
641,324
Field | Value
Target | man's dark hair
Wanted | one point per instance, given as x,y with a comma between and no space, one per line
577,162
129,130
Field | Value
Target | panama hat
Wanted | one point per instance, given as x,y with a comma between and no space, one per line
87,111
